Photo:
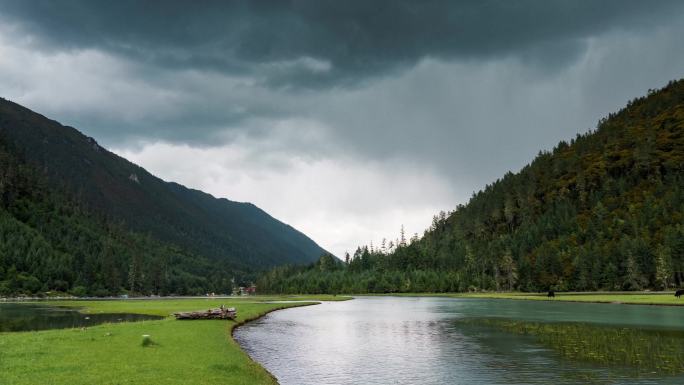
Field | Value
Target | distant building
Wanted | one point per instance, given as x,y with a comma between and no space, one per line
251,290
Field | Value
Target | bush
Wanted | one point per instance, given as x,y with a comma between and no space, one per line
29,283
5,289
79,291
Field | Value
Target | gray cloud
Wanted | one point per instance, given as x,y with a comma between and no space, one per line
342,42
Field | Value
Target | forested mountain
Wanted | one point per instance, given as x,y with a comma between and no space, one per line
76,216
604,211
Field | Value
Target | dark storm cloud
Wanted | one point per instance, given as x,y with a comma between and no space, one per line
325,43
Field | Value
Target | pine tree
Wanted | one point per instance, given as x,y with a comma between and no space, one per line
663,268
509,270
632,279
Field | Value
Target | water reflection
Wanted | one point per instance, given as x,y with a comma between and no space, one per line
24,317
418,341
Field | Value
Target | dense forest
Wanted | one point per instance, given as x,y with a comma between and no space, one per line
47,243
604,211
77,218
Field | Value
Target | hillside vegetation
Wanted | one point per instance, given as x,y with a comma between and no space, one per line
603,211
75,217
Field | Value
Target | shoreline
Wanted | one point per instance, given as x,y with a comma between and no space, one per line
236,325
606,298
260,298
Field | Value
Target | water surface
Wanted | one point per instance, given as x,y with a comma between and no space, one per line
24,317
393,340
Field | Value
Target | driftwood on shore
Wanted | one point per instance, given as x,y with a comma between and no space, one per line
220,313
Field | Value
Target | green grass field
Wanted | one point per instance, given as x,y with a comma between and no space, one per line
630,298
182,352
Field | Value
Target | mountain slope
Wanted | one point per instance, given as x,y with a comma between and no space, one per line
605,211
75,171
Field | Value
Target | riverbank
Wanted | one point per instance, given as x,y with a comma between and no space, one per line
181,352
627,298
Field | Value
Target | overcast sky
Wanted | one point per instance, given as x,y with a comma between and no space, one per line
345,119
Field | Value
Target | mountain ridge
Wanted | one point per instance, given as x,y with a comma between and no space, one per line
602,211
238,236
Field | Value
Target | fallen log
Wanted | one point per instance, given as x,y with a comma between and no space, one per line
220,313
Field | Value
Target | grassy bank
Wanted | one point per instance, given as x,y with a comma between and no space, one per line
631,298
648,351
182,352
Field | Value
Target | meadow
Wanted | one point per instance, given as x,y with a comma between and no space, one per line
177,352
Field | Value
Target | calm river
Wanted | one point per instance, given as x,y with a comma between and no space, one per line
391,340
